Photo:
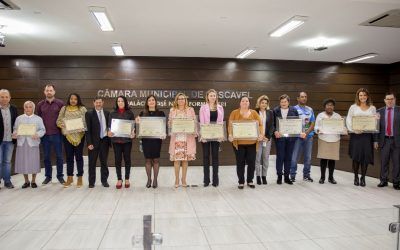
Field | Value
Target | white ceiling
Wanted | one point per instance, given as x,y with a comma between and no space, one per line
200,28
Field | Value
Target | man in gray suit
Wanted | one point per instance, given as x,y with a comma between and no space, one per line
389,141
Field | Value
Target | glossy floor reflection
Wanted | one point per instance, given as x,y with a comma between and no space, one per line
302,216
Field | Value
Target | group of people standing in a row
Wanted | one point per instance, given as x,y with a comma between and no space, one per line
50,114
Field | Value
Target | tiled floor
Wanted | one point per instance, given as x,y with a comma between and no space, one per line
303,216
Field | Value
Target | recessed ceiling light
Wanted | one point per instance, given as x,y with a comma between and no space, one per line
245,53
288,26
117,48
101,17
360,58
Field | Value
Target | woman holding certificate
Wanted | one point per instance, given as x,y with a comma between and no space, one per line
182,147
71,120
245,130
121,132
328,138
361,146
152,146
28,129
284,144
264,147
211,112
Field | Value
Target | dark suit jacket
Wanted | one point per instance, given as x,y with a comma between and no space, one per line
277,114
14,114
269,127
93,127
380,137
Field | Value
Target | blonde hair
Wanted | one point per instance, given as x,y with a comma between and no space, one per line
260,99
175,104
32,103
216,94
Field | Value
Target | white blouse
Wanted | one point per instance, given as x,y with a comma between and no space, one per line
284,112
326,137
355,110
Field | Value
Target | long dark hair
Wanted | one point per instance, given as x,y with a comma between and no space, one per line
146,105
126,106
79,104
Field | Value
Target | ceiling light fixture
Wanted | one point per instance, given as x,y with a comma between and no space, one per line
245,53
101,17
360,58
117,48
288,26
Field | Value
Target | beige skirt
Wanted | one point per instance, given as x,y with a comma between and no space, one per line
328,150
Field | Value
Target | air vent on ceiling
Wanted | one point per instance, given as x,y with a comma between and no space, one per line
8,5
390,18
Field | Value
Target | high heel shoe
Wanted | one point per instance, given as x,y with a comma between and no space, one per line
176,184
127,184
119,184
155,184
184,184
148,185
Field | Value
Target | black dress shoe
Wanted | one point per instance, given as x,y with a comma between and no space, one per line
206,184
91,185
321,181
215,184
288,181
258,180
61,180
331,180
279,180
46,181
148,185
362,181
26,185
383,184
264,180
240,186
251,185
105,184
33,185
397,187
9,185
308,178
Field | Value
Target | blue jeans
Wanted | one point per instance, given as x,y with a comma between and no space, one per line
284,152
6,152
302,146
55,142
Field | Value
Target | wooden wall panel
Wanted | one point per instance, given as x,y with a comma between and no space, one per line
25,77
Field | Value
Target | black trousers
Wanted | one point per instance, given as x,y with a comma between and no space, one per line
389,150
123,150
245,154
212,146
99,151
72,152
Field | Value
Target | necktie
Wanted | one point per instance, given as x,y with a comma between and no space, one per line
389,123
101,125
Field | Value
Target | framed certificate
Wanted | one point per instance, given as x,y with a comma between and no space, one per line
290,127
212,132
245,130
121,127
26,129
335,126
74,125
366,124
151,127
183,125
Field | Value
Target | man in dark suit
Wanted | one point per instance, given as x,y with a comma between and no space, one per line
97,141
8,115
389,141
